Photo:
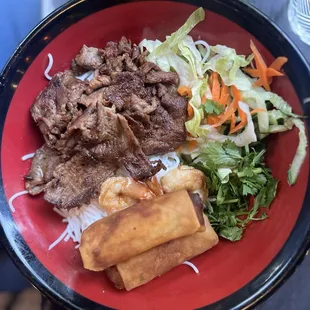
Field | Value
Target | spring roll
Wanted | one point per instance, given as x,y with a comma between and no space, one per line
146,266
145,225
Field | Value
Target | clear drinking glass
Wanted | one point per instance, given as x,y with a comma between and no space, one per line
299,18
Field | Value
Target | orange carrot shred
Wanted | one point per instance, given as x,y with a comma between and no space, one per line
272,72
262,72
231,108
242,123
192,145
238,127
253,72
278,63
233,121
190,111
212,119
185,91
224,95
257,110
215,86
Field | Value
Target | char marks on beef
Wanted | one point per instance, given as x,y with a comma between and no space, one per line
57,105
128,110
77,181
42,167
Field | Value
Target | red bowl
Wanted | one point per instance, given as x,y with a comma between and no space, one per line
232,275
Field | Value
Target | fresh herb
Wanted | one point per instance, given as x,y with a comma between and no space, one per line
212,107
234,175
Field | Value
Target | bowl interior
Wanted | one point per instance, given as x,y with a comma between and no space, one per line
224,269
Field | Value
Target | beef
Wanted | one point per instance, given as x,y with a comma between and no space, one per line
111,50
42,167
147,67
89,58
57,105
77,181
124,46
155,77
98,81
100,134
129,109
135,52
76,69
165,130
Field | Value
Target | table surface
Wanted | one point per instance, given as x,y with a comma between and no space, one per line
15,24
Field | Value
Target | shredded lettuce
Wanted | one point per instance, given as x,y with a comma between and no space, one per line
254,100
278,102
301,152
275,116
175,38
288,125
245,138
193,125
178,52
190,52
227,63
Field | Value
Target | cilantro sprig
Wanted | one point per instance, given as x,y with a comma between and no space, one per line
234,175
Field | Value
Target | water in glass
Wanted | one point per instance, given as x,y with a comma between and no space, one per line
299,18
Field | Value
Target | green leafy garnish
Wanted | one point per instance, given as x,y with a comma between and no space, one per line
212,107
234,175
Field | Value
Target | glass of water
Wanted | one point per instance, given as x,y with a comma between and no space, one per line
299,18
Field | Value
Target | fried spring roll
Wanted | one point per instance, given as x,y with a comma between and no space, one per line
146,266
134,230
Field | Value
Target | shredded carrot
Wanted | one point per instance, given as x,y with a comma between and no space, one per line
253,72
185,91
262,72
242,123
278,63
238,127
257,110
212,119
231,108
190,111
233,121
180,148
224,95
192,144
215,86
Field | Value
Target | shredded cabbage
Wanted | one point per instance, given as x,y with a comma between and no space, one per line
301,152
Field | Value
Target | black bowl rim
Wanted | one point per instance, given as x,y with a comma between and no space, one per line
275,40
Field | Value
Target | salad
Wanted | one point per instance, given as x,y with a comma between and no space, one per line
231,112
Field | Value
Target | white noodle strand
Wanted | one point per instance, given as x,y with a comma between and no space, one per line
61,237
28,156
191,265
77,220
15,196
49,67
